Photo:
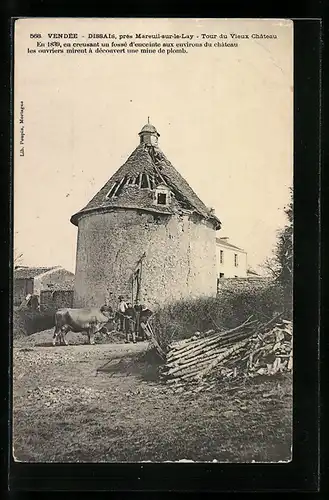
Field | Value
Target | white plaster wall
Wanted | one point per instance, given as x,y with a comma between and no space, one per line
180,257
228,267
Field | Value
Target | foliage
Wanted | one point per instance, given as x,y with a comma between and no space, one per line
229,309
26,321
281,264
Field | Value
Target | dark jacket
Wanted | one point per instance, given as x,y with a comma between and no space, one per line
144,315
130,311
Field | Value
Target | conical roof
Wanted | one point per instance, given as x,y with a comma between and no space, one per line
133,183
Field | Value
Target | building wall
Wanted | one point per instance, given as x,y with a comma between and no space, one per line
22,287
180,257
55,277
239,285
56,299
227,267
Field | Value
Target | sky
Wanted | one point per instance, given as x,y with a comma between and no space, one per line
224,117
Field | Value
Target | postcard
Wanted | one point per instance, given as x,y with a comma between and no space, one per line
153,225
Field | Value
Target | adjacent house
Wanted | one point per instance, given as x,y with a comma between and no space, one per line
231,260
145,235
34,280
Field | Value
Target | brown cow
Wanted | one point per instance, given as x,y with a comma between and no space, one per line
89,320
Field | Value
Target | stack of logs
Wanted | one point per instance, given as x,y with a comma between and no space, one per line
249,349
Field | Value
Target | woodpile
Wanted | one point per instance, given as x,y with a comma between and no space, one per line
253,348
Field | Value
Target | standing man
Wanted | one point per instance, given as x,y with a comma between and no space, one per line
130,323
138,310
144,316
121,312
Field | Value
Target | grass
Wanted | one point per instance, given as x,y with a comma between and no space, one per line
63,412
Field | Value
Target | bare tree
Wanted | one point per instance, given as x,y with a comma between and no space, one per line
18,257
280,265
271,267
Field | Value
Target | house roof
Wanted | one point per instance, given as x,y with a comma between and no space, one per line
225,243
132,184
24,272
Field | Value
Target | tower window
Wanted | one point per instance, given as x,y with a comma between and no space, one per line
221,256
236,262
144,183
112,190
162,195
161,199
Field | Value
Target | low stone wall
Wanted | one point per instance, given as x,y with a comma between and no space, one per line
237,285
56,299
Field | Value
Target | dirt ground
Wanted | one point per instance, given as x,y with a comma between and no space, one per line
104,403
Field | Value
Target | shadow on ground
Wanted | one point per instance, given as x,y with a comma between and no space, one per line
144,366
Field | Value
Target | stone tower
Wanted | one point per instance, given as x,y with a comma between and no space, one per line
145,235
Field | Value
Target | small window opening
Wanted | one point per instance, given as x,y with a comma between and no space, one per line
221,256
121,185
137,180
113,188
161,199
221,275
144,183
236,263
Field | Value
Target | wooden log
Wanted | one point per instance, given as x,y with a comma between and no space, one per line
187,370
237,337
211,352
215,336
191,353
204,347
264,326
194,362
195,357
191,372
222,356
192,343
248,322
201,353
196,336
200,343
150,336
184,369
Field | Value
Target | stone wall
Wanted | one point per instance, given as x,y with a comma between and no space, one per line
242,284
56,299
180,257
22,287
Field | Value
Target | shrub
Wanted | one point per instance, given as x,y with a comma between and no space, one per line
229,309
18,324
26,321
